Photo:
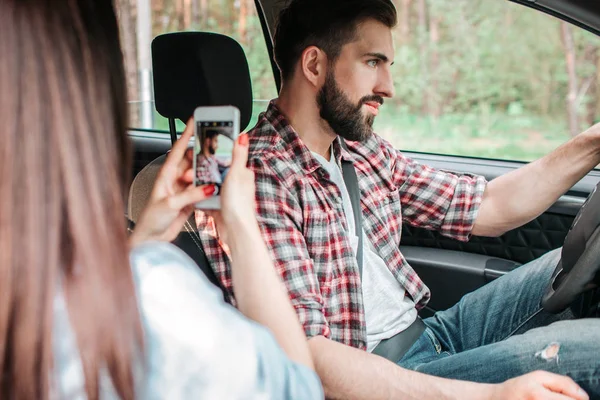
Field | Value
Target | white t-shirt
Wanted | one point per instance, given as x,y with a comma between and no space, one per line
387,308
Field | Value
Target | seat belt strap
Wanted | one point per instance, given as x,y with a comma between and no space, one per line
351,181
395,347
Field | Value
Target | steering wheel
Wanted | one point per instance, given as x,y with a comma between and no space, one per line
579,267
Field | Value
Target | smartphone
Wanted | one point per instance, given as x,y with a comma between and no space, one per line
216,130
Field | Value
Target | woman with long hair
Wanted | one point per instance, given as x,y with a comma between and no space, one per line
81,313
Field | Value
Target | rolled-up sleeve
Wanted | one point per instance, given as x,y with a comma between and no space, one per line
435,199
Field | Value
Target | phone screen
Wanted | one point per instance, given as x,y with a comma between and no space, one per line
212,155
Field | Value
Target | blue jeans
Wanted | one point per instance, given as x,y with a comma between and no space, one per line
500,331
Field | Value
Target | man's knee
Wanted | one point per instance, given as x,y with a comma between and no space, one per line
574,339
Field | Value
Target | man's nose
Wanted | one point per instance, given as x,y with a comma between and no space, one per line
385,85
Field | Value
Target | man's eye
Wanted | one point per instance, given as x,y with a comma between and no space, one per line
372,63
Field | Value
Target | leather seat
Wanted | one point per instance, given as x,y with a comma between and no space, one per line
192,69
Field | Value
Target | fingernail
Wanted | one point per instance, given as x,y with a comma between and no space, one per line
208,190
243,140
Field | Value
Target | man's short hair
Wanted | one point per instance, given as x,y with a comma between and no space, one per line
327,24
211,133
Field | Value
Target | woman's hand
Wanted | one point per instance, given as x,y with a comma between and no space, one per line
238,207
173,196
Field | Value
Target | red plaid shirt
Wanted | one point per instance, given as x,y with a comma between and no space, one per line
207,170
303,223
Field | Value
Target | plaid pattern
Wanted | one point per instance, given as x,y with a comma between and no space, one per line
207,169
302,220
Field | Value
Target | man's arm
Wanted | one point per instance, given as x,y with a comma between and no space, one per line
351,374
518,197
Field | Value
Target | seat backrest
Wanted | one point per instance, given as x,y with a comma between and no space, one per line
192,69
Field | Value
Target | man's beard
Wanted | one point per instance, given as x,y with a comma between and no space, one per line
346,119
212,150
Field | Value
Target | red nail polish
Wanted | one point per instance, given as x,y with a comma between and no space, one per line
243,140
208,190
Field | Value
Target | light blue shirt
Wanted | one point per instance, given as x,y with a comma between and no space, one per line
197,346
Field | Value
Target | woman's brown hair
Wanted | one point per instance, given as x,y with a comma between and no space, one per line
64,166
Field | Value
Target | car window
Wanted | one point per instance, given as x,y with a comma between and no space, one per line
141,20
488,78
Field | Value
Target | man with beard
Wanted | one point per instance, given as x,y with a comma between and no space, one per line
335,59
209,169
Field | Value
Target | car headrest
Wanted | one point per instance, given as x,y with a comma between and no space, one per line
193,69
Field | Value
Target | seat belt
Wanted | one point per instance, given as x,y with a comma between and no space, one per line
351,181
395,347
189,242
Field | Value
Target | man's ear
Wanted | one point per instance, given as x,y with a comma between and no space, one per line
313,64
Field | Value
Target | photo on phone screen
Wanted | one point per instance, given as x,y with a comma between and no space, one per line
212,153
